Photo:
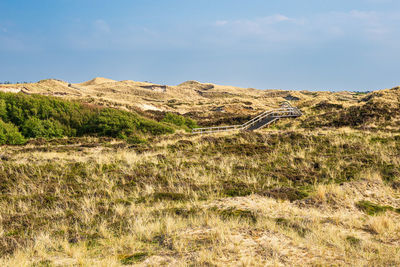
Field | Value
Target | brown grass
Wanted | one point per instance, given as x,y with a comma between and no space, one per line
202,200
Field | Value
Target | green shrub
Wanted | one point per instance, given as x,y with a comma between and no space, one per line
153,127
35,127
180,121
114,123
22,107
9,134
122,124
49,117
3,110
134,139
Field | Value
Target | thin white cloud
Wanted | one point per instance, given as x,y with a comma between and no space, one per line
265,27
274,31
255,23
221,22
275,19
356,24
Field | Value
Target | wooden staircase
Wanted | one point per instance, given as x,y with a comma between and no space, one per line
262,120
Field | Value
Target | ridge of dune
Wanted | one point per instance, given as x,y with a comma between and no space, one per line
97,81
137,83
197,85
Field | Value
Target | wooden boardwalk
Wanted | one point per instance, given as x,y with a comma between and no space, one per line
262,120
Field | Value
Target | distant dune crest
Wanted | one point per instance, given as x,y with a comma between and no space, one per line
97,81
197,85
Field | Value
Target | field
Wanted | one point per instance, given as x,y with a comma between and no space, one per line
320,190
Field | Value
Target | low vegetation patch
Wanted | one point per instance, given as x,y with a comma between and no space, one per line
233,213
237,189
9,134
302,231
180,121
374,209
353,241
325,105
286,193
134,258
33,116
162,196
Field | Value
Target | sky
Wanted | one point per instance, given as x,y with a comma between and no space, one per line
266,44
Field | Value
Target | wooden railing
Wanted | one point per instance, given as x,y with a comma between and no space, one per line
285,111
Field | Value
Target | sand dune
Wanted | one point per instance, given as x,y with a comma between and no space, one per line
97,81
203,101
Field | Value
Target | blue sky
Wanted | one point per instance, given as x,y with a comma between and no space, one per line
285,44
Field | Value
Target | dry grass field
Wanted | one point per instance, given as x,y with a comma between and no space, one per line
320,190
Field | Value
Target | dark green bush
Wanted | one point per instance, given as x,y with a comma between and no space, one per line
114,123
34,127
49,117
153,127
179,120
121,124
20,108
9,134
3,109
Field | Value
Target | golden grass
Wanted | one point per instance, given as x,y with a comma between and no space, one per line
197,200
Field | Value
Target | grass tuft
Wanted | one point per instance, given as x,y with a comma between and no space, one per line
233,213
353,241
133,258
302,231
374,209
